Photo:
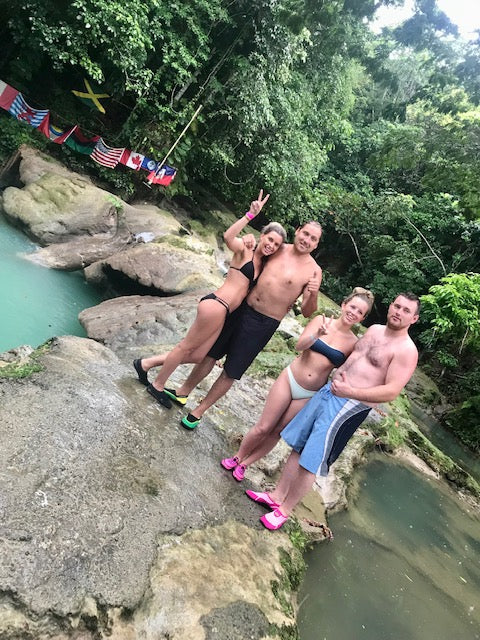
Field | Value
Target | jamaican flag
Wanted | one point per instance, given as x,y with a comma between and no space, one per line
91,95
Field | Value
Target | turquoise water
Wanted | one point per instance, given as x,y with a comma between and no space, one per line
37,303
404,563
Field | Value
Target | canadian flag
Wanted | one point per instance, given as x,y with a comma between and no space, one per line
132,159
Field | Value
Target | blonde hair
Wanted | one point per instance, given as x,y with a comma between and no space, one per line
364,294
275,227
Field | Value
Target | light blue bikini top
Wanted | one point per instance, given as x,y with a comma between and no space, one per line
335,356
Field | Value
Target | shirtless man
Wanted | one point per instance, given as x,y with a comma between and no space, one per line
287,274
380,365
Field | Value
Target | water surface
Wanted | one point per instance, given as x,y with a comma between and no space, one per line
404,564
37,303
445,440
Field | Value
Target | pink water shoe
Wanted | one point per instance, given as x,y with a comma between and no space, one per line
262,498
230,463
273,520
239,472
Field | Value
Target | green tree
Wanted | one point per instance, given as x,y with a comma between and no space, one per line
452,339
452,309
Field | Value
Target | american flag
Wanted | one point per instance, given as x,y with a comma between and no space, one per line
106,155
21,111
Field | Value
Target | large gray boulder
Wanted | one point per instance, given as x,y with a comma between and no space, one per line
160,267
56,208
150,320
116,522
76,222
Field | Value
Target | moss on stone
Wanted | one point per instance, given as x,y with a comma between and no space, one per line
173,241
285,632
180,243
204,230
294,567
278,353
25,368
393,429
116,202
299,539
441,463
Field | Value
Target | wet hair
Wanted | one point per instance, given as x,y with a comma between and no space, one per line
276,227
315,224
364,294
412,297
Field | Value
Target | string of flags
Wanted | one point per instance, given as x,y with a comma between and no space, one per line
13,101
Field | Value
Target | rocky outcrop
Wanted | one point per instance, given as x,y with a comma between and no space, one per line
116,522
56,208
140,320
76,222
147,324
158,267
133,249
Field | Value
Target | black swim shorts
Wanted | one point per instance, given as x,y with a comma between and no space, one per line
244,335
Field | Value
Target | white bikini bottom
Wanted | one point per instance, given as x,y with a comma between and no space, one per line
298,392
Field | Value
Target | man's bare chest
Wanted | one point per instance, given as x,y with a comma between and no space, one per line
287,276
377,352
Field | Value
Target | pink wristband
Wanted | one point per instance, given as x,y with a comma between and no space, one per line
249,215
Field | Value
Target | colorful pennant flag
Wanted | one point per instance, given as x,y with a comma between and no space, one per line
78,142
149,165
21,111
90,96
107,156
164,176
13,101
52,132
132,159
7,95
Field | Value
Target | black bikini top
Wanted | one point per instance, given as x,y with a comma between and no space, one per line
248,271
335,356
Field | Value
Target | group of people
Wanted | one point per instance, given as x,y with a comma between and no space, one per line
315,417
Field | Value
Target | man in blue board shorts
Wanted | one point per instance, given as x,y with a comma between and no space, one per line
380,365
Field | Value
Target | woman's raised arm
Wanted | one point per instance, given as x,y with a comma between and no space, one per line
233,242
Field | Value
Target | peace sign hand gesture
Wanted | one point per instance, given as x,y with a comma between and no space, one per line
257,205
325,322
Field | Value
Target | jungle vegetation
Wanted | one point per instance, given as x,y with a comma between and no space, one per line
377,135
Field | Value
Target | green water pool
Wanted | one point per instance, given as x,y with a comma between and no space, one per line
37,303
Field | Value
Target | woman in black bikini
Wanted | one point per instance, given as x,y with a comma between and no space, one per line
302,378
246,265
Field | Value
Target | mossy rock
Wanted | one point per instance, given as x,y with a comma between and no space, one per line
278,353
442,463
23,367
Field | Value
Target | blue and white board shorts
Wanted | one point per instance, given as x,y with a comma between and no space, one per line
321,430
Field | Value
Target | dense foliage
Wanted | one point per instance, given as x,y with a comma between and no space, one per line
376,135
451,311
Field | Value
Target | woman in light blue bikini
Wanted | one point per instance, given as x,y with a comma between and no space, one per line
303,377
